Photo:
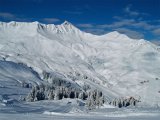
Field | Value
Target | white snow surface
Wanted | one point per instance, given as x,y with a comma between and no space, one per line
114,63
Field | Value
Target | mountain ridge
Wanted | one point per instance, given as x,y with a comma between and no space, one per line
60,28
113,63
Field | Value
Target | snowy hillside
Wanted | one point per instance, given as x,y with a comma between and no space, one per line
113,63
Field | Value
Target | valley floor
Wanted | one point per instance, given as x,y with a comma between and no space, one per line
60,116
68,110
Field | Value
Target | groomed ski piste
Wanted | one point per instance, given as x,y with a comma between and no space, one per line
33,54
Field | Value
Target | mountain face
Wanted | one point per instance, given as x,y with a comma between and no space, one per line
113,63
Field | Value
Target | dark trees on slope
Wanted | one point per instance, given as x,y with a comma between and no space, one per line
124,102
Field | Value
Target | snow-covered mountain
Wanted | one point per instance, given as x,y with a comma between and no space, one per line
114,63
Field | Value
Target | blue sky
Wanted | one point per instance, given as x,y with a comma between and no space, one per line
136,18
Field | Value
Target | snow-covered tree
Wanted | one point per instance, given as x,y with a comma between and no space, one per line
124,102
40,95
95,99
31,95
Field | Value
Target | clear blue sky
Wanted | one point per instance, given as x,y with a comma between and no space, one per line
136,18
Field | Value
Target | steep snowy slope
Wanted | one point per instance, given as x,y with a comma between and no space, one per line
117,65
16,80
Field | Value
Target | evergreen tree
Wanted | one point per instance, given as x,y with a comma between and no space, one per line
31,95
51,95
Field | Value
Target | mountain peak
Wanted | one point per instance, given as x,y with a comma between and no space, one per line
67,27
66,23
113,33
116,34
